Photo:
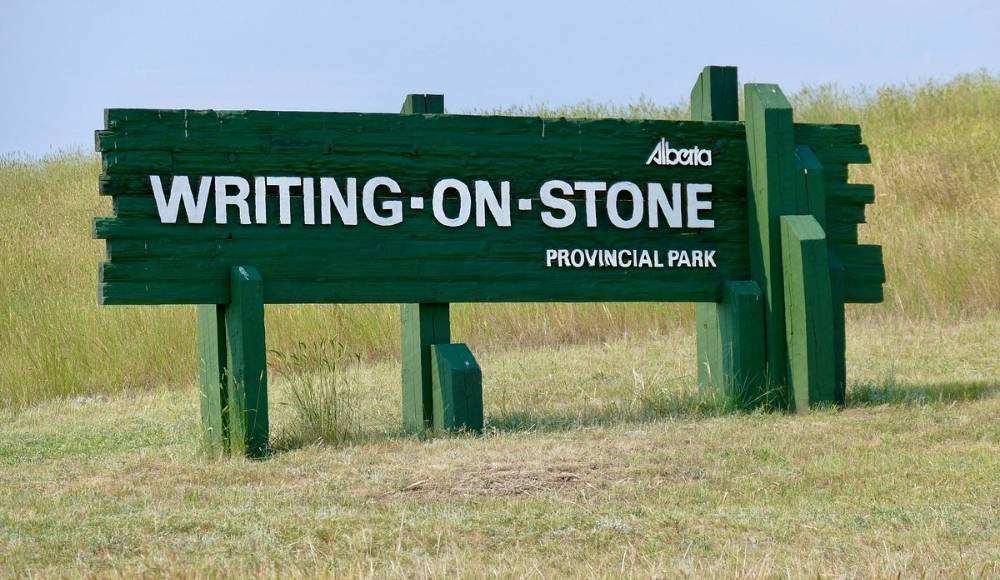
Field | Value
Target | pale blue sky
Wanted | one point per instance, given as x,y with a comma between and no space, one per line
63,62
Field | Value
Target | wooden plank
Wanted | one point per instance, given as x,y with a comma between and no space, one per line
850,193
715,97
811,180
771,149
808,312
247,364
734,343
457,389
422,325
837,298
571,288
212,354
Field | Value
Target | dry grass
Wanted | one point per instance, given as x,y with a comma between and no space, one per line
599,458
577,474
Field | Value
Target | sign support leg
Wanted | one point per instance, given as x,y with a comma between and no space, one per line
422,326
808,312
247,363
211,326
729,332
773,193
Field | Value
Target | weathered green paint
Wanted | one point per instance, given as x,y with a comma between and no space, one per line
458,389
247,364
773,193
754,305
715,97
418,260
808,312
811,181
731,345
837,292
421,325
212,354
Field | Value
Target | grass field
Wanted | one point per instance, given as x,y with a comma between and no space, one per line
600,457
598,460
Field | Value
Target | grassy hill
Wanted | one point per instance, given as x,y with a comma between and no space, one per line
600,456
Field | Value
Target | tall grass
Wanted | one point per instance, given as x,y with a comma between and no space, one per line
936,168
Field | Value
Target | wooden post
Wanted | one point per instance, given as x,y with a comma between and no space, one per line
212,358
729,334
731,344
458,389
808,312
773,193
247,363
837,291
421,324
812,187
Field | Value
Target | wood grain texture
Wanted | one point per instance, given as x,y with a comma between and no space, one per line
212,355
421,325
773,193
247,364
724,329
457,389
731,343
810,333
419,260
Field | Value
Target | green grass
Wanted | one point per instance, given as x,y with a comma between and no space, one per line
597,460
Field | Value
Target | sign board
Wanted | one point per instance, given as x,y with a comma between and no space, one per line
235,208
342,207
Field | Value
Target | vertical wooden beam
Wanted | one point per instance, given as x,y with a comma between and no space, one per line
773,193
722,329
715,95
458,389
247,363
837,290
422,325
211,324
808,312
812,184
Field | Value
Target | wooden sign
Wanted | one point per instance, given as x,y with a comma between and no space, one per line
234,209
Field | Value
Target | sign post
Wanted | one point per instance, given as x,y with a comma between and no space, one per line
230,210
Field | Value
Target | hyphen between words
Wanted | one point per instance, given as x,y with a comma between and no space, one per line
625,204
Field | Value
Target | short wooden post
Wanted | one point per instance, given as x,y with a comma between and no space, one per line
738,322
773,193
211,324
808,312
458,388
422,325
247,363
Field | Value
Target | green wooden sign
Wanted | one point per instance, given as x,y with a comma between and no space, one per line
234,209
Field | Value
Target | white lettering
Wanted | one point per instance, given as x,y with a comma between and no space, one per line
180,190
558,203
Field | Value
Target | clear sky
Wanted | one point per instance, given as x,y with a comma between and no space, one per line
63,62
